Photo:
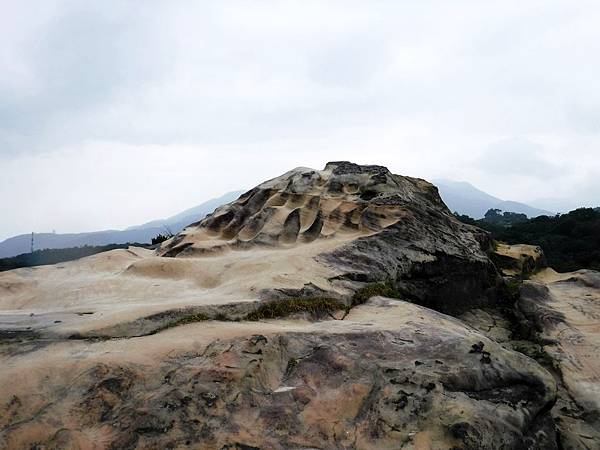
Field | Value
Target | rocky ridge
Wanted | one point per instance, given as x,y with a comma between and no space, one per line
392,228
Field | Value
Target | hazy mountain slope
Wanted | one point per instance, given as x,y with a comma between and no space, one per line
190,215
561,205
17,245
22,244
466,199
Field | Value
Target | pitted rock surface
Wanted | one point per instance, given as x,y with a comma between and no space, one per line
305,204
564,310
391,228
391,376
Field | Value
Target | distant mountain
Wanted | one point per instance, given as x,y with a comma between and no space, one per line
465,198
17,245
190,215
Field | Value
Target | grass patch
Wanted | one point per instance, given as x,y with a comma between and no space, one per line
537,352
291,365
190,318
510,290
222,317
495,245
384,289
282,308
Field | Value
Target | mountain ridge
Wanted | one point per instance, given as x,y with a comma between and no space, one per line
143,233
464,198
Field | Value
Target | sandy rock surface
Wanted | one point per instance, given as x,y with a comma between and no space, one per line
566,311
391,375
519,260
389,227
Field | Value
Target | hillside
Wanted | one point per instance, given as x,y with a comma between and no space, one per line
570,241
464,198
20,244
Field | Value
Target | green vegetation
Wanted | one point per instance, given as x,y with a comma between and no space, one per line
511,290
291,365
160,238
190,318
570,241
494,216
275,309
57,255
534,351
282,308
384,289
221,317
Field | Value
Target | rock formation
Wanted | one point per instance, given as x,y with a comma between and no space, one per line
555,321
391,375
390,228
299,316
519,260
564,310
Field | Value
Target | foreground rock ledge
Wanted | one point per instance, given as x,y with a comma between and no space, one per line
392,375
565,312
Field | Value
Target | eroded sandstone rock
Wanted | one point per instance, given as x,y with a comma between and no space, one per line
391,227
519,260
307,233
392,375
565,312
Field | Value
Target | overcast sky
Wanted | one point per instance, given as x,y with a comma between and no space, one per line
114,113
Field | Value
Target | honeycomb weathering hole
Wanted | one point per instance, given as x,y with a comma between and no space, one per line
304,205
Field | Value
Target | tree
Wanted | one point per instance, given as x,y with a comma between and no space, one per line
159,238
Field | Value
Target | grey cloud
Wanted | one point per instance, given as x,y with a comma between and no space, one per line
214,72
517,156
419,86
80,59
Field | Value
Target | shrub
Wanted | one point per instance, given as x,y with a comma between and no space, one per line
159,238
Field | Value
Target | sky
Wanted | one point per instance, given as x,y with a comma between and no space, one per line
114,113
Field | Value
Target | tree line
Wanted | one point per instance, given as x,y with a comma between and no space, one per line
570,241
57,255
